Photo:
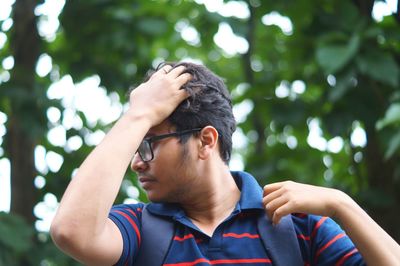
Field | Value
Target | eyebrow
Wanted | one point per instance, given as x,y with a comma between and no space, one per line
151,134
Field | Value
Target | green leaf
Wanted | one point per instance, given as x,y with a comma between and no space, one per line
15,235
342,86
394,145
333,57
152,26
392,116
380,67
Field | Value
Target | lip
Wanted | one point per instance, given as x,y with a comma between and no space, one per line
143,179
146,181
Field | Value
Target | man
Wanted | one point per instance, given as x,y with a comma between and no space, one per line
178,130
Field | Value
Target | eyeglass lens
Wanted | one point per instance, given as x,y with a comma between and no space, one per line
145,151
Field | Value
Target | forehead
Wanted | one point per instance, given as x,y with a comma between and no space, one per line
163,127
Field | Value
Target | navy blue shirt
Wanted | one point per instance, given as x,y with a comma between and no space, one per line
236,240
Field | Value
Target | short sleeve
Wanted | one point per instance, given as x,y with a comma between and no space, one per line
127,217
323,242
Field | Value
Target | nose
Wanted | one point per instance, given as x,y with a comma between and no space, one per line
137,164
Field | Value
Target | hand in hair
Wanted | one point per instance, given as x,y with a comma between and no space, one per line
158,97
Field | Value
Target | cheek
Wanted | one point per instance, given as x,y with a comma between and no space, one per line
168,154
160,150
188,159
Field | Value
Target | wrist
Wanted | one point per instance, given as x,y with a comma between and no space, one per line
134,117
341,204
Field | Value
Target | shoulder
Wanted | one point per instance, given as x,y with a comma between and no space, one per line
136,207
130,213
314,225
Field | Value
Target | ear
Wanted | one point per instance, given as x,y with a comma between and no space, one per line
208,142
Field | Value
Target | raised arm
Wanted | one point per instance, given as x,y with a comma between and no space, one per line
81,227
374,244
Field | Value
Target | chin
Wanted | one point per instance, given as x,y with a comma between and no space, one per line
155,198
158,199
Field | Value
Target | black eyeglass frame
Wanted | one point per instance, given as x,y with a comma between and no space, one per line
146,143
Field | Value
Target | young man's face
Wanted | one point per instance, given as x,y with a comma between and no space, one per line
168,177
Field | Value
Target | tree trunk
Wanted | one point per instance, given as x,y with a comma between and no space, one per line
24,44
258,123
381,180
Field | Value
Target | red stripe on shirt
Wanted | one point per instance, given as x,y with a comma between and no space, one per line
345,257
132,212
177,238
215,262
301,236
317,226
339,236
132,223
241,235
188,263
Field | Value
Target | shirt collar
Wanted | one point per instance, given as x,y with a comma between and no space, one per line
251,193
250,197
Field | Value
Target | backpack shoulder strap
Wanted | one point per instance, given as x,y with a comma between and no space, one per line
155,229
280,241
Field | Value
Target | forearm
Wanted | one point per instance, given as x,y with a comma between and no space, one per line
375,245
84,208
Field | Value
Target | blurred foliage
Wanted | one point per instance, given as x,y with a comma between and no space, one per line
19,246
348,64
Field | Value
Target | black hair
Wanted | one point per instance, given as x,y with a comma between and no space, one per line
209,104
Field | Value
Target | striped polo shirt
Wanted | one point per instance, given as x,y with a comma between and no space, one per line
236,240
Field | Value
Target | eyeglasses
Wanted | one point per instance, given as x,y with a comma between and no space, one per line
145,149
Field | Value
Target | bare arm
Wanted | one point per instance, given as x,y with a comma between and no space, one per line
374,244
81,226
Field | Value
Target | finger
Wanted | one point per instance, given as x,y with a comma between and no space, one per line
272,206
166,69
182,95
271,196
272,187
183,79
279,213
176,71
162,71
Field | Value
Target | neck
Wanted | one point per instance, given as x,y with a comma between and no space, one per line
214,201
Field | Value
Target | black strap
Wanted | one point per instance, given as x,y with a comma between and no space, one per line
280,241
156,237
